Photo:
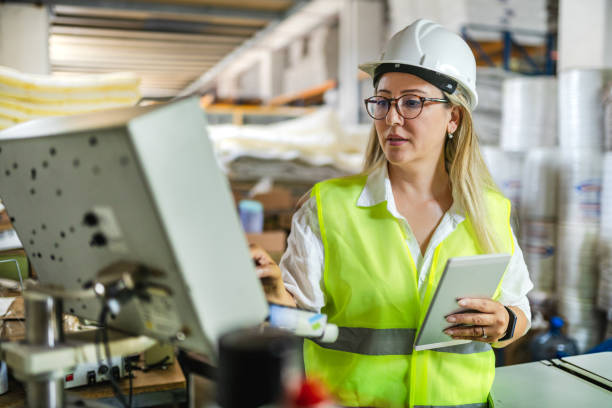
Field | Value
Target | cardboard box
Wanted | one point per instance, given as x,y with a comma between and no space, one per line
273,242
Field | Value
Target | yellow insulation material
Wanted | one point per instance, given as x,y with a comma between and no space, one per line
25,97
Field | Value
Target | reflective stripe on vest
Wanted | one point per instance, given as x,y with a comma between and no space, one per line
371,294
477,405
389,342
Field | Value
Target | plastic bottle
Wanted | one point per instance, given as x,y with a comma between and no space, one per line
251,215
553,343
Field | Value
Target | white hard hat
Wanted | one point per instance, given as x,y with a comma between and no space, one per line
431,52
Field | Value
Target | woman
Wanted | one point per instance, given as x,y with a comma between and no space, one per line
368,250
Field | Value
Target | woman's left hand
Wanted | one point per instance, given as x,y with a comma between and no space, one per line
488,323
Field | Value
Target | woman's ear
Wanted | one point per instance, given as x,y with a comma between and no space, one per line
455,120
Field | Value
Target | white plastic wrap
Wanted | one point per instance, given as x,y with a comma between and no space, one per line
580,186
581,108
529,114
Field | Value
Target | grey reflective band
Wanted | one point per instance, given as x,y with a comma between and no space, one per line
468,348
389,342
476,405
373,342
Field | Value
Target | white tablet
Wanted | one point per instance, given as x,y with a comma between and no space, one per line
468,276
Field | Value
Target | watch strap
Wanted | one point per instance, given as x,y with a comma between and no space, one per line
511,325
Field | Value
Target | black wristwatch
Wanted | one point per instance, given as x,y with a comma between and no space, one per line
511,325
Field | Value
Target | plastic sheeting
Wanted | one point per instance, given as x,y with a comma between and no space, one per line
581,108
317,139
529,114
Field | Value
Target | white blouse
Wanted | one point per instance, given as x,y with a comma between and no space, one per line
303,262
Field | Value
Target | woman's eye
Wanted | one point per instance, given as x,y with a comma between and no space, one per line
382,102
411,103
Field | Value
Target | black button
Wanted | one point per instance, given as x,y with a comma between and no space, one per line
90,219
91,377
98,239
115,373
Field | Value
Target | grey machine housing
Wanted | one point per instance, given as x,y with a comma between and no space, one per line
137,185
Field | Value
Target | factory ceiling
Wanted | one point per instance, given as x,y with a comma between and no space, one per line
169,43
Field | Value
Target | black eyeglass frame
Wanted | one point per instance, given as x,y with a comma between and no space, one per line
423,99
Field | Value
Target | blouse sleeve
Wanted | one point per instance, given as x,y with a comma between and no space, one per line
517,283
303,261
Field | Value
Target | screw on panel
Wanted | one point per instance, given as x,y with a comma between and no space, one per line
76,162
90,219
52,151
44,226
33,173
62,234
7,172
98,239
45,164
15,166
93,141
58,192
32,191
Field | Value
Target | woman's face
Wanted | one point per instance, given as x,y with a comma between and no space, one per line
412,140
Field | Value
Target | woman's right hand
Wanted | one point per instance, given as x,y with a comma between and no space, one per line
271,277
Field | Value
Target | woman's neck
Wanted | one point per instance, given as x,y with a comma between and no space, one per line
423,180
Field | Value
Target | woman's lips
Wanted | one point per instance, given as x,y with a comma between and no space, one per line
395,140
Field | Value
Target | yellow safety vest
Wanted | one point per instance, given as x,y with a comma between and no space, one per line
370,287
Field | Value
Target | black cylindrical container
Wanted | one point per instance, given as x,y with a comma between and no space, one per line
253,364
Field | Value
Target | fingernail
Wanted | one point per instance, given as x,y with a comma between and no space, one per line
463,302
451,319
449,332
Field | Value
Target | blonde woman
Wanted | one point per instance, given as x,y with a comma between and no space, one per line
368,250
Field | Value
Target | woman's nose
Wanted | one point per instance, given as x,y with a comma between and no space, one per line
393,117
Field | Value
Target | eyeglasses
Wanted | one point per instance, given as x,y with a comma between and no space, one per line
408,106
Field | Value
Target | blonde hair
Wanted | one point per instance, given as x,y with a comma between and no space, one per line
468,173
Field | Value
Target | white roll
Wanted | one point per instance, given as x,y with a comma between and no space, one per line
581,108
507,171
577,264
580,186
538,243
608,117
529,113
604,297
539,186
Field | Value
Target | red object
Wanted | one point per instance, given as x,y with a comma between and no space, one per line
310,394
69,377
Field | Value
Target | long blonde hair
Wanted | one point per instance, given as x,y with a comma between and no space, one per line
468,173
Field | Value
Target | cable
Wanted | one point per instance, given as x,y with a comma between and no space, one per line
118,394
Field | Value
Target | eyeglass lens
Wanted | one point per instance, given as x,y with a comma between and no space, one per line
409,106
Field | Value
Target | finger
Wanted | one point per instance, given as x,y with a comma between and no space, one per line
481,305
471,331
481,339
477,319
266,272
259,255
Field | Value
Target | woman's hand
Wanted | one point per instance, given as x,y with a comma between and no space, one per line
271,277
488,323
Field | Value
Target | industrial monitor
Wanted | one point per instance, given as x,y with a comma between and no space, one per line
134,188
